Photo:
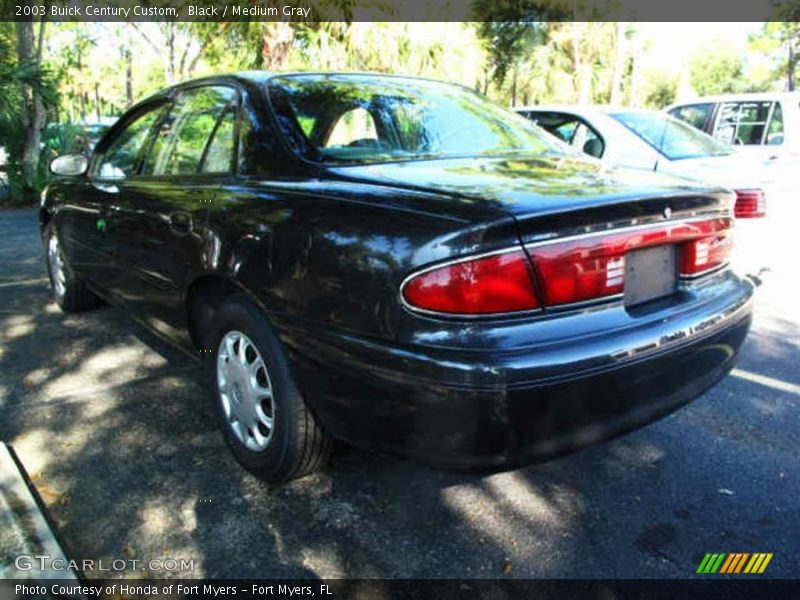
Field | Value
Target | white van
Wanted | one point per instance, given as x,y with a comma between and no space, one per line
762,126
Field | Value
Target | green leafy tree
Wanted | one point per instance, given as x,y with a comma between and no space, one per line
25,92
778,46
717,68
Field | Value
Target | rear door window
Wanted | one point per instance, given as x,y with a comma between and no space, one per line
695,115
571,130
196,135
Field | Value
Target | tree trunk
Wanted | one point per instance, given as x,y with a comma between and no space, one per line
97,101
583,72
635,79
276,41
128,78
170,58
790,84
615,98
514,86
34,114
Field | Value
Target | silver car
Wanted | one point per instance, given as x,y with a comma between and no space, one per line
655,141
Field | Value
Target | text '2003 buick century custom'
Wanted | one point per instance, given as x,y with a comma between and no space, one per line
399,264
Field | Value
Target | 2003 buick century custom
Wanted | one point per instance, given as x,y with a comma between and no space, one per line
400,264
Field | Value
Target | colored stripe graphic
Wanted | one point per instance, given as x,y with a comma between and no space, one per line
710,563
734,562
727,564
764,564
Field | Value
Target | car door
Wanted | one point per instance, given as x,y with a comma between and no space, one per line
159,233
86,221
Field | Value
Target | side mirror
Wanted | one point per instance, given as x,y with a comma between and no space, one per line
69,165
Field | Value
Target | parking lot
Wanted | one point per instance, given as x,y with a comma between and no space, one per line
116,429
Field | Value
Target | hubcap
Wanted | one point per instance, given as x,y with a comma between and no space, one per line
245,391
56,261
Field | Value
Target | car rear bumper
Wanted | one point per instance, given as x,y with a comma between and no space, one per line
493,409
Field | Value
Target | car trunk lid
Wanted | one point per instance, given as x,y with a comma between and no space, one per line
551,196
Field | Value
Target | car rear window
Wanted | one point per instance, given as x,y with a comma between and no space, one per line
365,119
674,139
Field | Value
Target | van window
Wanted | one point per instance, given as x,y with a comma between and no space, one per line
775,129
749,123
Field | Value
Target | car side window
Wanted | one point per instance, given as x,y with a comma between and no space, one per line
775,129
572,130
121,159
566,131
695,115
588,140
222,146
559,125
743,122
356,127
199,120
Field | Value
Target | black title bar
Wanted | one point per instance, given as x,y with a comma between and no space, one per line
400,10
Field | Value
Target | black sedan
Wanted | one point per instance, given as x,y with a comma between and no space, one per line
400,264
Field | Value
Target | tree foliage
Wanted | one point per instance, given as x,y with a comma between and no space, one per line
517,52
716,69
26,89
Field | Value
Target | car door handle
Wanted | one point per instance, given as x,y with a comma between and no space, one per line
180,222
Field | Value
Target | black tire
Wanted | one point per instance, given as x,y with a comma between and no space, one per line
73,295
297,446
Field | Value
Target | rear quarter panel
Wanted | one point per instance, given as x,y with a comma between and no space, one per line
331,256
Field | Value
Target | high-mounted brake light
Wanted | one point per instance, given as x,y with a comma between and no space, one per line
579,269
750,204
498,283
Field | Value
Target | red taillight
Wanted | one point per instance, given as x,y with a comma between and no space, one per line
750,204
499,283
705,253
578,271
593,266
590,267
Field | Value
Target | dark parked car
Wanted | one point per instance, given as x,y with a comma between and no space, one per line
400,264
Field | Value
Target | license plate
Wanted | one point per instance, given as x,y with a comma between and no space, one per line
649,274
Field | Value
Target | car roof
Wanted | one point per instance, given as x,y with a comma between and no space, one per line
259,77
752,96
587,110
576,109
